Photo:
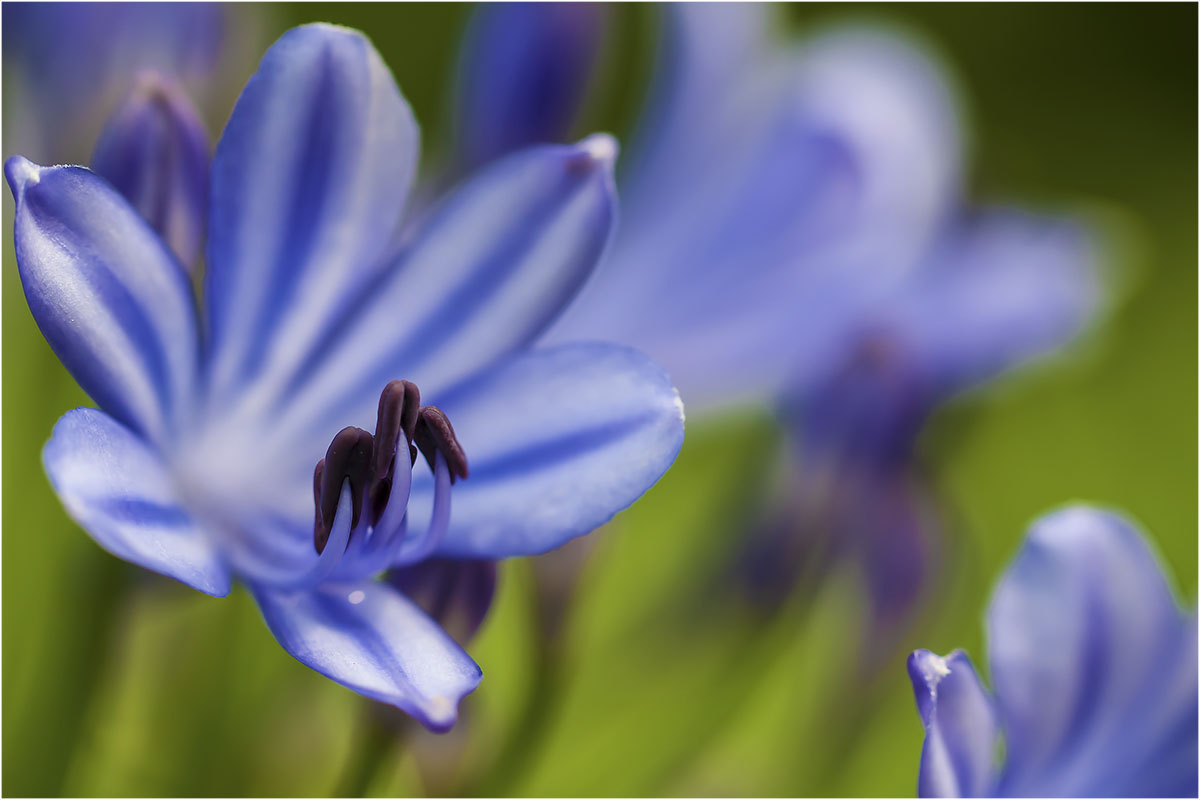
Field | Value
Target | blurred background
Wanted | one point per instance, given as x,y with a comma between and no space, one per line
117,682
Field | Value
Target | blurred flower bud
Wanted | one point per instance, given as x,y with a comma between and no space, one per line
523,76
457,594
155,151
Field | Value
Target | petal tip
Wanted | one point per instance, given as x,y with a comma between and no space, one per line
599,149
21,174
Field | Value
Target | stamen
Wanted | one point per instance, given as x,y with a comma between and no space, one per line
348,458
399,409
368,463
434,435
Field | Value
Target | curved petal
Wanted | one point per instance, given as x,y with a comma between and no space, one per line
107,294
373,640
523,74
1003,288
489,269
118,489
1083,632
838,165
309,180
558,441
961,735
155,151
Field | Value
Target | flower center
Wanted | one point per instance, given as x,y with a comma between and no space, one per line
367,463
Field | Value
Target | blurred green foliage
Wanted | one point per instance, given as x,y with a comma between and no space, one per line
117,682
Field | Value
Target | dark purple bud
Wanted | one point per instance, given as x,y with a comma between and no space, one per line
457,594
155,151
524,75
434,433
348,458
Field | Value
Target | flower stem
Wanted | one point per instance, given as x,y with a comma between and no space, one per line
373,751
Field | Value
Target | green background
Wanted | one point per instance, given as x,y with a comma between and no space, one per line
117,682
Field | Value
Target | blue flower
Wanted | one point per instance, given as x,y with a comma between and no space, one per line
1094,670
794,234
200,462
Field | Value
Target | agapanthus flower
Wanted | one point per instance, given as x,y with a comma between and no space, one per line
221,426
794,234
1093,669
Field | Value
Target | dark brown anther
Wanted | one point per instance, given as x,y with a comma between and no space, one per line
399,406
348,457
434,434
320,533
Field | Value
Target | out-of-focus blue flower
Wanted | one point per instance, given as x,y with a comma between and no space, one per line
68,61
793,233
155,152
545,53
1093,666
199,463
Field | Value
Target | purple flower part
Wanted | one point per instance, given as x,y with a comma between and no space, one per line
70,57
1094,667
458,594
200,462
997,291
523,75
155,151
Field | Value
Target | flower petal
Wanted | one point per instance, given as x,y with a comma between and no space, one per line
1094,665
1003,288
107,294
373,640
961,735
309,180
523,75
155,151
489,269
118,489
837,165
558,441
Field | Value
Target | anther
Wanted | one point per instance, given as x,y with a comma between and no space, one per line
399,409
348,458
434,434
369,462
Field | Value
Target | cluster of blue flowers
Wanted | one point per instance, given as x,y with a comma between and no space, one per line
794,234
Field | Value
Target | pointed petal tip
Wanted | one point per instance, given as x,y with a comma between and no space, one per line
439,714
599,149
21,174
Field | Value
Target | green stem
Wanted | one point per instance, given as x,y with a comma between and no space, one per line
373,750
105,588
529,732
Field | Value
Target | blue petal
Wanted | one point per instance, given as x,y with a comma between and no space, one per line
373,640
119,490
558,441
487,271
308,183
961,735
837,167
523,75
109,297
1093,664
1003,288
155,152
